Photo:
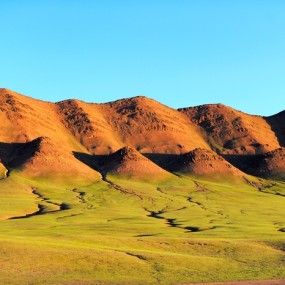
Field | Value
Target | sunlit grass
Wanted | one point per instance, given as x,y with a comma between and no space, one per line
138,232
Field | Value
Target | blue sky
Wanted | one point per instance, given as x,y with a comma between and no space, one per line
181,53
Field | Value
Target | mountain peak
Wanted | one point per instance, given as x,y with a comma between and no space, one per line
128,153
130,163
203,162
5,90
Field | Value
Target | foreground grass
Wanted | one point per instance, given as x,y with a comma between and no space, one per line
181,230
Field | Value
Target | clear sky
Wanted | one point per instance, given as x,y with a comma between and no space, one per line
181,53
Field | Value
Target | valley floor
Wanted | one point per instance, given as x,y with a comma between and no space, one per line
122,231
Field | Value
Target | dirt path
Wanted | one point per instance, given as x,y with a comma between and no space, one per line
260,282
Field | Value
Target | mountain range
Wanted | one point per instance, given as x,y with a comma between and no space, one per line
136,137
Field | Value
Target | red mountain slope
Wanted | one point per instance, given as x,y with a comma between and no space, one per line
201,162
231,131
41,157
129,162
42,138
139,122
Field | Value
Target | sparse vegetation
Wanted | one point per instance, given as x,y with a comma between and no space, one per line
232,230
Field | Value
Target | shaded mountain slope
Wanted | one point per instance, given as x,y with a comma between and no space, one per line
277,124
270,165
202,162
7,150
129,162
231,131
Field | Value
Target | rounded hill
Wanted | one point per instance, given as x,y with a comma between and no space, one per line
202,162
130,163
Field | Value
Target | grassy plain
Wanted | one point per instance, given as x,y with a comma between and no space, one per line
134,232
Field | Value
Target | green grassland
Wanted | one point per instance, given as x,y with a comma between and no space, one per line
137,232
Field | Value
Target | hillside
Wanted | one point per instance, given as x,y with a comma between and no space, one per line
24,119
88,124
270,165
277,125
130,163
151,127
76,130
142,123
43,158
233,132
201,162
